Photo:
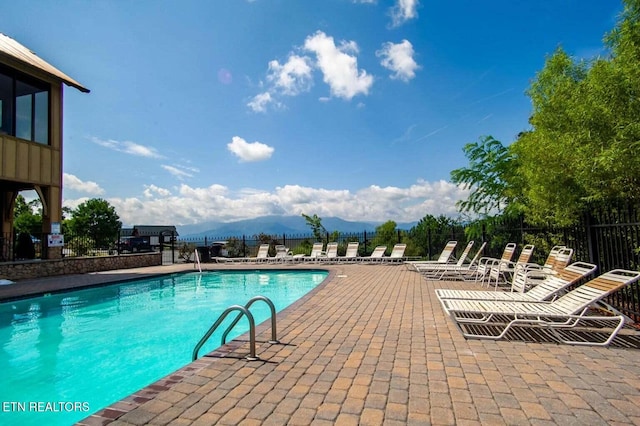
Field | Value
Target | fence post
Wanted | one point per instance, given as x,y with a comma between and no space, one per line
365,241
429,243
244,245
399,237
484,232
173,247
592,241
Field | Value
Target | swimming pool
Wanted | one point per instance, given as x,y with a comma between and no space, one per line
67,355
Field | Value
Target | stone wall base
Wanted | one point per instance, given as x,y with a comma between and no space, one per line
23,270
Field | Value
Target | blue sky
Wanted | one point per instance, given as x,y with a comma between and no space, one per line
232,109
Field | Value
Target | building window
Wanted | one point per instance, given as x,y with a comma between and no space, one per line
24,107
6,104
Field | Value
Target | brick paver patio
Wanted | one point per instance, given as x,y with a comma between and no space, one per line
372,346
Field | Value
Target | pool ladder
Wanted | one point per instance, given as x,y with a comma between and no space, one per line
244,310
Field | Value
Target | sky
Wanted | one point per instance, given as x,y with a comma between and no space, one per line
233,109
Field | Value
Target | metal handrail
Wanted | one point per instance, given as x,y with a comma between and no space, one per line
274,339
196,262
252,332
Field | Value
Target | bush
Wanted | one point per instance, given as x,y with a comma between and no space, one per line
185,251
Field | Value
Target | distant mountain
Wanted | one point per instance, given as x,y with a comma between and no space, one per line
274,225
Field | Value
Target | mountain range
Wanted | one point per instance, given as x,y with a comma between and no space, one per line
275,225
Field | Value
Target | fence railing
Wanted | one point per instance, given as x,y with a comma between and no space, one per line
608,237
32,246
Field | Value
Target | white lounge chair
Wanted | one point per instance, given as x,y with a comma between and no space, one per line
485,264
547,289
376,255
397,253
263,254
502,270
444,257
351,254
283,254
316,252
558,259
331,254
566,312
461,270
427,268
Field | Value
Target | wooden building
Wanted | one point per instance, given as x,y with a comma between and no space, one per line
31,93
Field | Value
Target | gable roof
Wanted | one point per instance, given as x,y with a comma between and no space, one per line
12,50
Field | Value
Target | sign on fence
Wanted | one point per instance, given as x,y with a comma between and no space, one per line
55,240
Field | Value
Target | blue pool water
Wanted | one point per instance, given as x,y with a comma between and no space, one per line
67,355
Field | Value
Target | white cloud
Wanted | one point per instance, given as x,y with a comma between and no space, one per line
245,151
402,11
177,171
260,102
339,66
180,172
128,147
73,182
399,59
151,190
289,79
216,202
292,78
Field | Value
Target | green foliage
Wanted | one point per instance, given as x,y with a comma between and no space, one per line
342,246
235,247
95,219
81,245
386,235
303,248
268,239
583,146
487,176
27,217
185,251
315,223
430,233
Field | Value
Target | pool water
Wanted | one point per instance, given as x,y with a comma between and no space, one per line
67,355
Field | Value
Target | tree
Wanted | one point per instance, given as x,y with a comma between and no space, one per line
96,219
584,146
27,217
430,234
315,223
489,177
386,235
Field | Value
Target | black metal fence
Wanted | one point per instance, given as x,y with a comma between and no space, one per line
28,246
608,237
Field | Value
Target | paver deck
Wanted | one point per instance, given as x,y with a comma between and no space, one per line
372,346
